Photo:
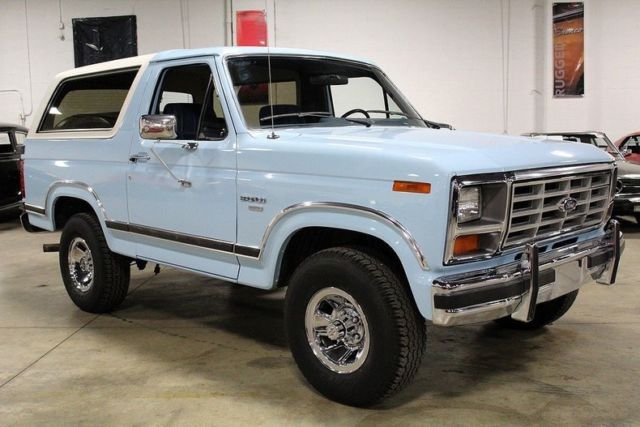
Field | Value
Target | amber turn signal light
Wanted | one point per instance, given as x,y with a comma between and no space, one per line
466,244
412,187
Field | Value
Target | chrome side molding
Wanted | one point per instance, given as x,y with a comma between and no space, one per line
256,252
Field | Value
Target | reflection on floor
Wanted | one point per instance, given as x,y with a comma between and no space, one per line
189,350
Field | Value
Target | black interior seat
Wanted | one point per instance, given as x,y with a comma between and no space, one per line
187,116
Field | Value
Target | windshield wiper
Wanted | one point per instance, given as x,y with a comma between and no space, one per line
359,121
302,114
395,113
315,114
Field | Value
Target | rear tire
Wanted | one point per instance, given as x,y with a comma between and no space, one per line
348,303
96,279
546,313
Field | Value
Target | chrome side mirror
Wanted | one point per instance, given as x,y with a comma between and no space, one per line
626,152
158,126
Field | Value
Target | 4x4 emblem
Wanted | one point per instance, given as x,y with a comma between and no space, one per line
568,204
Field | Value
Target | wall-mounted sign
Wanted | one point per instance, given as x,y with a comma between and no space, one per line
568,49
104,39
251,28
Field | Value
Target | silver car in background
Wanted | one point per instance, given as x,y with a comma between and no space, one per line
627,199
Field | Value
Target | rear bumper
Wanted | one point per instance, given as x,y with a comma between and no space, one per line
12,207
27,226
515,289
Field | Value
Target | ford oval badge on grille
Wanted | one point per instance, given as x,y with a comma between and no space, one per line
568,204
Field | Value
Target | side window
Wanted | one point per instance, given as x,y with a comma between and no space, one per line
5,143
92,102
188,92
20,137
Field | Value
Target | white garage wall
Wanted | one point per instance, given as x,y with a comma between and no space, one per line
612,78
159,25
448,56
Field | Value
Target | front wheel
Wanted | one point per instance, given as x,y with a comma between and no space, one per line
546,313
353,329
96,279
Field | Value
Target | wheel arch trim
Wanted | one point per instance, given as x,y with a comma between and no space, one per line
57,190
375,214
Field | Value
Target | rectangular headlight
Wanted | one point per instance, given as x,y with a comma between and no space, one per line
469,204
478,218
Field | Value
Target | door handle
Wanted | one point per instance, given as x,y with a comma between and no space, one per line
139,157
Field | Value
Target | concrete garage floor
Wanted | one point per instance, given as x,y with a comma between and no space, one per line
187,350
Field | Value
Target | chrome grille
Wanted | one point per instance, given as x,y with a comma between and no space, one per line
535,205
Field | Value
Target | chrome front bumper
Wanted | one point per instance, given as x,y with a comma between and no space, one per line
515,289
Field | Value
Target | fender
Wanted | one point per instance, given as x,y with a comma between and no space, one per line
260,271
43,216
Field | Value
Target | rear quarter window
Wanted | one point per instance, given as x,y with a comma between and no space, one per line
5,143
91,102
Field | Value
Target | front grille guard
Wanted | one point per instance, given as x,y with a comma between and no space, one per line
527,308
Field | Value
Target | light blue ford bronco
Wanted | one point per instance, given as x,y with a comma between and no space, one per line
312,171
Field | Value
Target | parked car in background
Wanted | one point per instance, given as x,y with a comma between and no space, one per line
629,146
627,199
11,185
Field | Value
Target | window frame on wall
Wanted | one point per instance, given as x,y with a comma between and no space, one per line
56,98
78,42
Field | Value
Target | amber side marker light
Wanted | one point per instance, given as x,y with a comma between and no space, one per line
466,244
412,187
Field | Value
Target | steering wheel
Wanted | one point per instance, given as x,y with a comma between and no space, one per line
355,110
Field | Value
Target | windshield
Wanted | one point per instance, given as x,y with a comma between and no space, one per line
308,91
607,145
600,142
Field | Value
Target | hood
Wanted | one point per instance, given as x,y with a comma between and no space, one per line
453,152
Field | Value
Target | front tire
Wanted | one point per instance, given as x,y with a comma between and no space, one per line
546,313
353,329
96,279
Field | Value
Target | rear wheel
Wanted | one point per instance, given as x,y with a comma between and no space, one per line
96,279
546,313
353,329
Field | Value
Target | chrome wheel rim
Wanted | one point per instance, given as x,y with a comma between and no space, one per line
337,330
80,264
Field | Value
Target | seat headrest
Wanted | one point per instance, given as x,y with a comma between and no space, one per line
265,111
187,116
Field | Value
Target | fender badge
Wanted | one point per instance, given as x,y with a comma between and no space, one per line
253,199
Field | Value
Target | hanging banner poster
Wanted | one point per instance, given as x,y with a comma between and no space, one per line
568,49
